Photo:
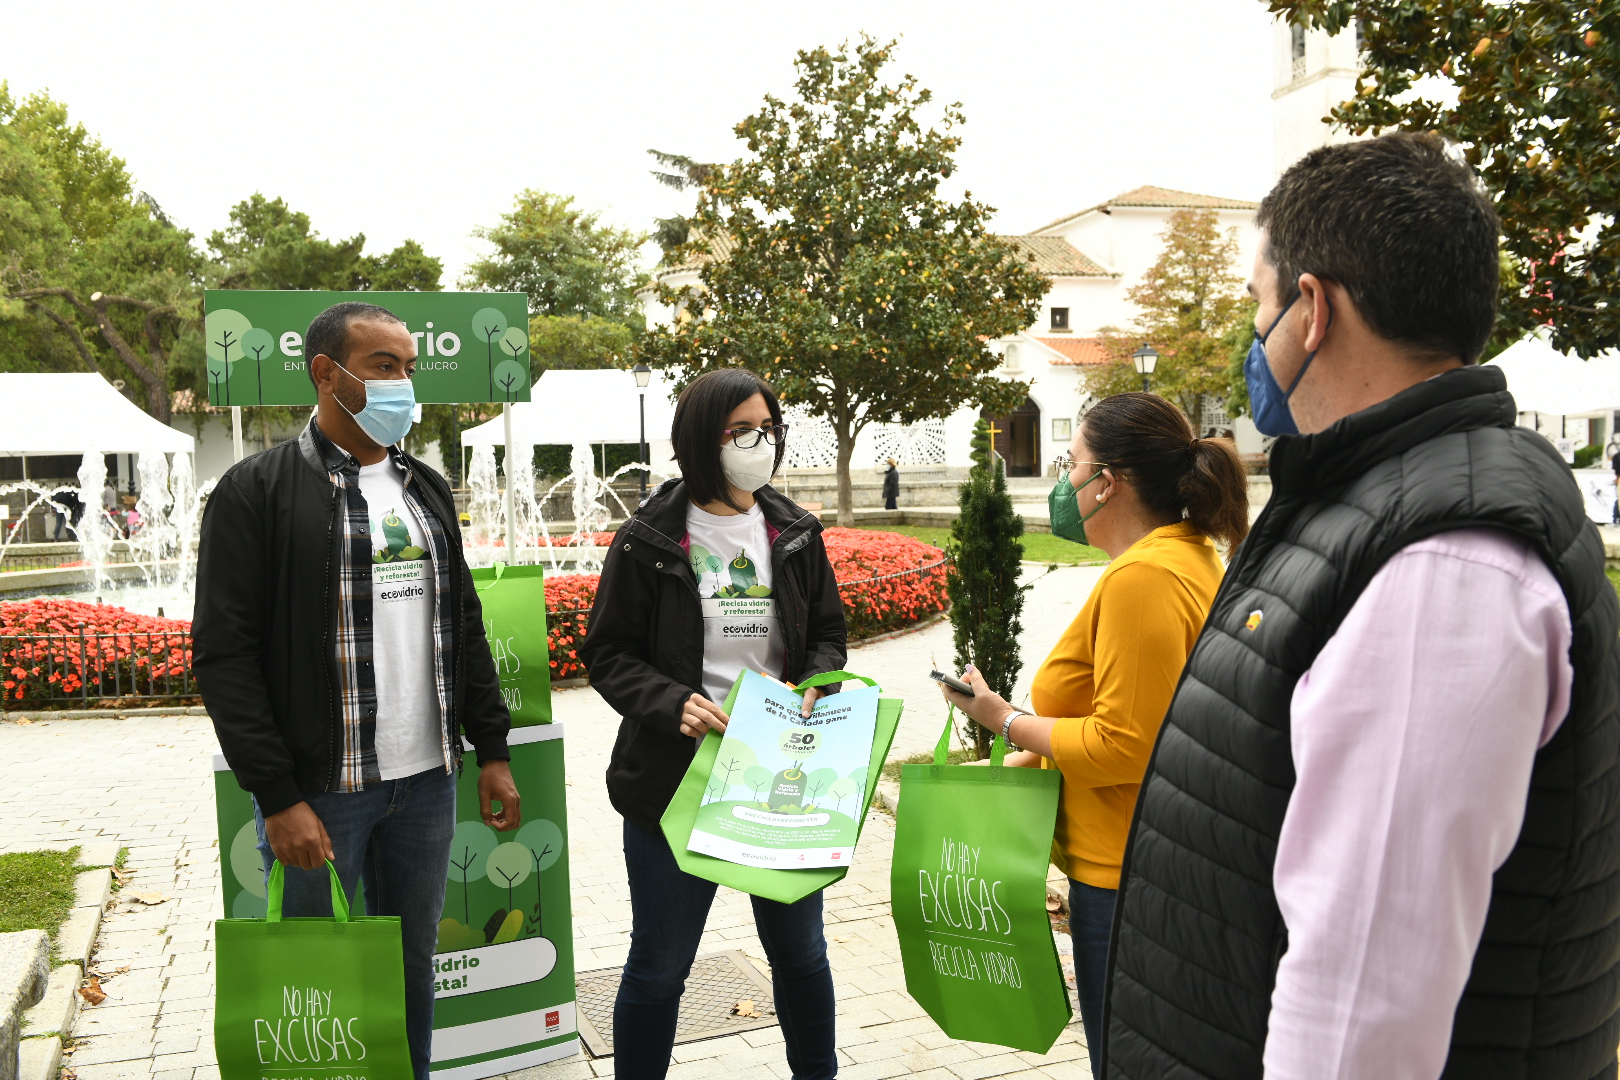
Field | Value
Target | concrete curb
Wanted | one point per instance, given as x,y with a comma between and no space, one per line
49,1024
39,716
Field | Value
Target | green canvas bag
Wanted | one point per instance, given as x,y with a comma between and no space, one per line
514,600
783,886
317,999
968,890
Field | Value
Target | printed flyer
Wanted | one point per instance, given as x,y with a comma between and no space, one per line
786,790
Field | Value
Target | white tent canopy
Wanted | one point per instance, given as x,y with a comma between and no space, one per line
51,413
1542,379
570,407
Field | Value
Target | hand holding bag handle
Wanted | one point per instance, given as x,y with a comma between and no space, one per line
340,902
998,748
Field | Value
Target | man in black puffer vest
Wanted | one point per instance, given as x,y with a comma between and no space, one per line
1380,835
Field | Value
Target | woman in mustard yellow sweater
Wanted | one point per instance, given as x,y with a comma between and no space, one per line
1139,485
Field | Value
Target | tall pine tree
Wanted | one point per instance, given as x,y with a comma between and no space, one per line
986,599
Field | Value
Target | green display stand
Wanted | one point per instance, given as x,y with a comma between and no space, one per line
506,958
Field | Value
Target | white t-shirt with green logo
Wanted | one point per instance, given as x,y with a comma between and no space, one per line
403,594
731,559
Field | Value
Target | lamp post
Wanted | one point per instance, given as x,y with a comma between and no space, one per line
643,375
1145,359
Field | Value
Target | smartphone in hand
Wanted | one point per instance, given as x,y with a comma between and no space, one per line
951,681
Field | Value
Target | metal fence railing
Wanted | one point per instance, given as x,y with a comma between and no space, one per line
95,668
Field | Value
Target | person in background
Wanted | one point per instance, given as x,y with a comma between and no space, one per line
669,633
339,646
1614,463
1378,837
1137,484
891,486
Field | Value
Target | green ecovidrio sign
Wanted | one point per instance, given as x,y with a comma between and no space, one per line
470,346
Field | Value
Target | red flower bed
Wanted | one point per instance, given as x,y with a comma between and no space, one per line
42,655
888,581
568,593
591,539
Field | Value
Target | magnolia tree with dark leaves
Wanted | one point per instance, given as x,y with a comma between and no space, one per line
1531,92
833,267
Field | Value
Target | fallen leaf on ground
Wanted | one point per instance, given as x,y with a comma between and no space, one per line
842,940
122,875
1053,903
148,898
745,1007
24,720
91,991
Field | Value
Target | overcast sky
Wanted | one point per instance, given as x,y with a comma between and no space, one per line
423,120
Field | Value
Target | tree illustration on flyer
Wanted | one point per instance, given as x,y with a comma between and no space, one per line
785,790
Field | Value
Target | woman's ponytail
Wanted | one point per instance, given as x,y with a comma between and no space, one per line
1174,474
1215,491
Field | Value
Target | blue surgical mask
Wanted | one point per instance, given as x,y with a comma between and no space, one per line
390,404
1268,404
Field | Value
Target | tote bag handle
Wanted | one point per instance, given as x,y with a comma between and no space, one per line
998,749
499,568
831,677
340,902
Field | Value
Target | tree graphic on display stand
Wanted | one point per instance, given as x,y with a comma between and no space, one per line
487,326
259,344
509,864
469,849
545,843
758,779
224,331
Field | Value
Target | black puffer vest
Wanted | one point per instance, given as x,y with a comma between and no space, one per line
1198,932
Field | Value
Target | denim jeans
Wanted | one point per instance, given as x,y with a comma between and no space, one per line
1091,923
396,837
668,908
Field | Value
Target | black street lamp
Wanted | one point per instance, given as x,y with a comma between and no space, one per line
1145,359
643,375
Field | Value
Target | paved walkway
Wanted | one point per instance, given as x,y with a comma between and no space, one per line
146,783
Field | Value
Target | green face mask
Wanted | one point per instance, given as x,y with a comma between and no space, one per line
1064,510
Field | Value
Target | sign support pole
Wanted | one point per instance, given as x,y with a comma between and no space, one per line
511,493
236,430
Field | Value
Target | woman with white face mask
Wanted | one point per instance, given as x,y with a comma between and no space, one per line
715,573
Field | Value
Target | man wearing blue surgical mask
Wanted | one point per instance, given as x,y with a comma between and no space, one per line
1378,834
340,650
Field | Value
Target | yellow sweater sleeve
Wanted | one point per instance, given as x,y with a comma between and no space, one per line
1145,624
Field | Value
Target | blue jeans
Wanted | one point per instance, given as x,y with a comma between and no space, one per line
1091,923
396,837
668,908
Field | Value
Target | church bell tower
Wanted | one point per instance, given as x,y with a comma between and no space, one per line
1313,73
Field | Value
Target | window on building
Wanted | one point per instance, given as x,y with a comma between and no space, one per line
1361,37
1297,51
1060,318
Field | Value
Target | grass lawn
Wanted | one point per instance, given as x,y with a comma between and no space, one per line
36,890
1614,578
1038,547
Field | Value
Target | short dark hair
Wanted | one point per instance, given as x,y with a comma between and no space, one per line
1404,226
329,331
700,416
1174,474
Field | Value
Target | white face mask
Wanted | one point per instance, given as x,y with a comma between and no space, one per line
749,469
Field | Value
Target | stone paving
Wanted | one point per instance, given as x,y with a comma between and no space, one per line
146,782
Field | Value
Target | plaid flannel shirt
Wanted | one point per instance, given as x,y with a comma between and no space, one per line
357,769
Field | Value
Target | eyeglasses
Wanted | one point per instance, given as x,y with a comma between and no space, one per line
1066,464
746,438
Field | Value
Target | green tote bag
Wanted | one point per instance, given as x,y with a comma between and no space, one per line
968,889
310,999
783,886
514,600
